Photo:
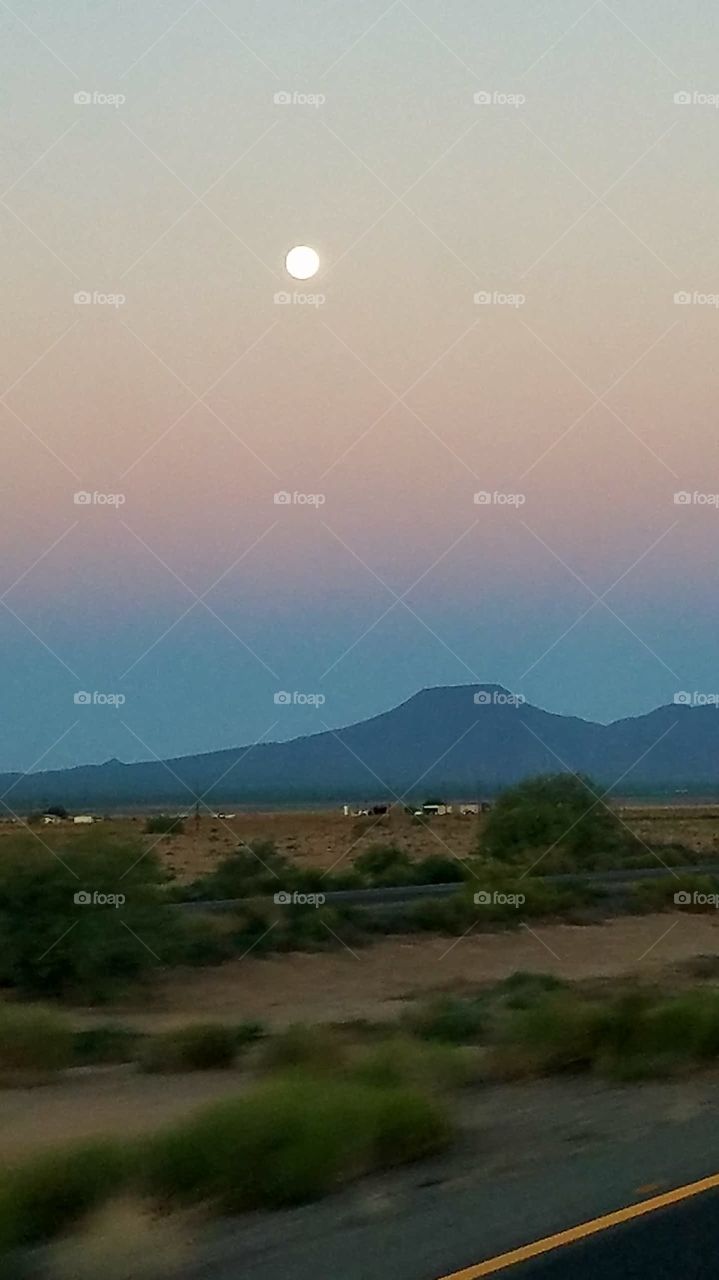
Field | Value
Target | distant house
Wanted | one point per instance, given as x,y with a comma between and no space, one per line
466,809
49,819
435,809
83,818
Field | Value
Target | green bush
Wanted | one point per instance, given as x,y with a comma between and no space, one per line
559,1032
164,824
198,1047
105,1043
51,1192
33,1040
320,1049
290,1141
553,812
451,1019
54,944
385,864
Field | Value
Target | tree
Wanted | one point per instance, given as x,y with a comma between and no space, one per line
561,812
57,811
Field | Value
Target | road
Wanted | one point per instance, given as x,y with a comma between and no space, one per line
564,1155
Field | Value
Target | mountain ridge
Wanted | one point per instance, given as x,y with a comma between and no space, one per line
460,739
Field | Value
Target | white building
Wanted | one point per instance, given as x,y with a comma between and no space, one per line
83,817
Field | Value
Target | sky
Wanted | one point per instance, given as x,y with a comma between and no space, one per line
493,410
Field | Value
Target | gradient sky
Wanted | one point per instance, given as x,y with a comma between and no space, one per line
397,399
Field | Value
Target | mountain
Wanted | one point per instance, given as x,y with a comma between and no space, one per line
460,740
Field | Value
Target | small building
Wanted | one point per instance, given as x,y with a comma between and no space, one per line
467,809
83,818
436,809
49,819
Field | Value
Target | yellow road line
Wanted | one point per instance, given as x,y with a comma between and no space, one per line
537,1247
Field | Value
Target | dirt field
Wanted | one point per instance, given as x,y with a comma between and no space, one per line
330,986
325,838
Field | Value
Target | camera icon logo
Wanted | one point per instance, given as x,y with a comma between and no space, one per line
283,898
282,698
282,499
682,98
482,99
83,898
282,99
283,299
682,698
682,499
683,898
483,898
82,298
682,298
82,698
482,499
81,98
82,498
483,298
482,698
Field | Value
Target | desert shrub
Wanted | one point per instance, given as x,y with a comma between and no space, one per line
385,864
104,1043
201,941
313,1048
560,1032
164,824
522,989
197,1047
439,868
401,1060
253,869
553,811
660,894
453,915
452,1019
53,941
51,1192
290,1141
33,1040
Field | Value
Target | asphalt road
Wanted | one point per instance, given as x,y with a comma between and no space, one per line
541,1161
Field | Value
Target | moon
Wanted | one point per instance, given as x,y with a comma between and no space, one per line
302,262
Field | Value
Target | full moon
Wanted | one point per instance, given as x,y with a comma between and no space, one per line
302,262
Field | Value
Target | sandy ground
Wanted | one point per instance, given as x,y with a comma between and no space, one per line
369,983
